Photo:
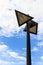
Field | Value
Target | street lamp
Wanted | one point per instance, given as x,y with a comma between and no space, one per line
31,27
22,18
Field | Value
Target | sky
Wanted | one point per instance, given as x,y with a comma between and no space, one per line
13,38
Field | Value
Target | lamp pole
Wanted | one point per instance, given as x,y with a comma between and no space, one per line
23,18
28,45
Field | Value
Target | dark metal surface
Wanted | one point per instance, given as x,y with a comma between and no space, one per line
33,27
22,18
28,46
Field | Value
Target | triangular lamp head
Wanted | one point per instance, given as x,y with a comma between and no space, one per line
33,27
22,18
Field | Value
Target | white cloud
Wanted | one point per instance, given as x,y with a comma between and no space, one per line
39,36
16,55
40,27
38,63
40,44
23,48
3,47
35,49
41,57
2,62
9,57
27,6
8,21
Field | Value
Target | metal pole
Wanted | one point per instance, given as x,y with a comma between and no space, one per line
28,45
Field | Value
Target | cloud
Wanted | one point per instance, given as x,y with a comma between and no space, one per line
16,55
3,48
40,31
41,57
40,44
2,62
8,22
27,6
23,48
39,36
35,49
10,57
38,63
40,25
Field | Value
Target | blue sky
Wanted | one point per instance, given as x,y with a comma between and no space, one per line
13,38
